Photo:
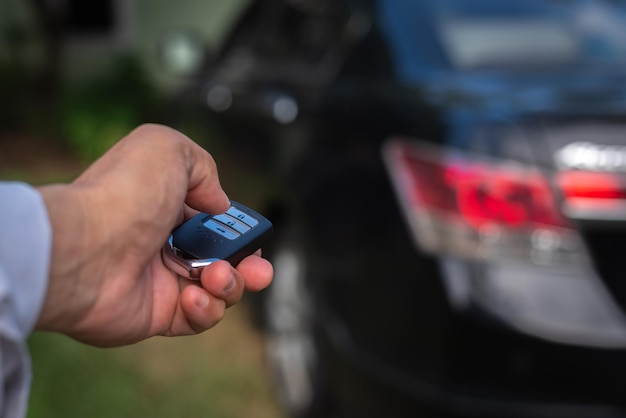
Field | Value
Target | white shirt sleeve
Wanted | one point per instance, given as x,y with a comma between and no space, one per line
25,247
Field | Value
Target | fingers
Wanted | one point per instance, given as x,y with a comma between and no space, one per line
253,273
204,306
174,163
201,309
189,212
258,272
223,281
222,286
204,191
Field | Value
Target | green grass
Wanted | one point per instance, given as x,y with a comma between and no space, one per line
72,380
219,374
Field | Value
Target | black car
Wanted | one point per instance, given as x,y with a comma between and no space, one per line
450,202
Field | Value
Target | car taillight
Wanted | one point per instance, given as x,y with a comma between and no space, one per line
534,273
593,195
464,205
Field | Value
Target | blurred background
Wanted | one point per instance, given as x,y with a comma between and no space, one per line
74,78
446,178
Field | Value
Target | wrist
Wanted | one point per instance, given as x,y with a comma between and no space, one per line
64,204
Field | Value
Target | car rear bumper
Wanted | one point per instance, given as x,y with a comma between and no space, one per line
371,386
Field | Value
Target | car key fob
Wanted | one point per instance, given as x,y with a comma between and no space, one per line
203,239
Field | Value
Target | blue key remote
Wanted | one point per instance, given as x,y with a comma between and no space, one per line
203,239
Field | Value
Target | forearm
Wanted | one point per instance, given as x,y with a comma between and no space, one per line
65,208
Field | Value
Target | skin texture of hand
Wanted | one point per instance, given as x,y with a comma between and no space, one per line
108,285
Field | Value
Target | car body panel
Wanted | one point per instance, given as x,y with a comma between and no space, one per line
395,325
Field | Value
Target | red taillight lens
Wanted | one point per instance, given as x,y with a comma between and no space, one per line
481,193
508,196
464,205
591,185
593,195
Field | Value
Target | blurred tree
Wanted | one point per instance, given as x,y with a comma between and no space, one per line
49,20
99,111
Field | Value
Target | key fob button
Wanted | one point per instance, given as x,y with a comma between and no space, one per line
242,216
221,229
232,223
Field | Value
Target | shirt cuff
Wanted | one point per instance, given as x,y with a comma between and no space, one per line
25,249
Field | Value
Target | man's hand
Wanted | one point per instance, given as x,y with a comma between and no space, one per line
108,285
